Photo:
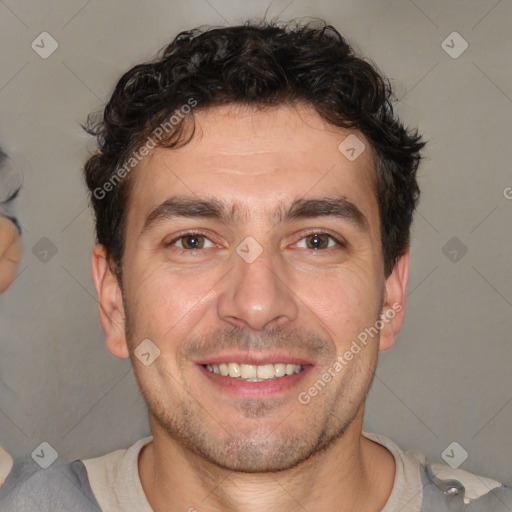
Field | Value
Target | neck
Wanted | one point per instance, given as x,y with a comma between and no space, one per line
354,473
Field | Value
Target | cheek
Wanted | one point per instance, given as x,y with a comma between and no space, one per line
345,302
162,304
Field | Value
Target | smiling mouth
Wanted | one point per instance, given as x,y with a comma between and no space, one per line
254,373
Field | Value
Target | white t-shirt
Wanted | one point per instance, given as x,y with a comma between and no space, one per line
115,482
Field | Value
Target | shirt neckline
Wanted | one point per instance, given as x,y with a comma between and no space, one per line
117,473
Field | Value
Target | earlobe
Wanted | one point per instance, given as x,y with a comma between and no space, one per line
111,310
393,311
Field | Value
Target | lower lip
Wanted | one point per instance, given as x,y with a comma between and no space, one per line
263,389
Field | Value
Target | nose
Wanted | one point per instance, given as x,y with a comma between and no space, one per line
258,294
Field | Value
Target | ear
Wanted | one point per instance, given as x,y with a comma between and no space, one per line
111,309
10,252
393,311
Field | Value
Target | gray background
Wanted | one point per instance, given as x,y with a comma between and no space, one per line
447,378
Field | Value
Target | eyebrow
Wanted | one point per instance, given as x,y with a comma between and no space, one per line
212,208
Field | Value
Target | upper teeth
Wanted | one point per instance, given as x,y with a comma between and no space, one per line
254,373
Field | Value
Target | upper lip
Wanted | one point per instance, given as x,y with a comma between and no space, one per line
253,358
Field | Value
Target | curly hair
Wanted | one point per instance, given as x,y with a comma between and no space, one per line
258,64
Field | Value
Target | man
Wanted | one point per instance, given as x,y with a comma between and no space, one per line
10,255
10,251
253,194
10,245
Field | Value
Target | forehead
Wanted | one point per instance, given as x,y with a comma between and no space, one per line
257,160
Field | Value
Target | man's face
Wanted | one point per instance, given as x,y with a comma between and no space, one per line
263,276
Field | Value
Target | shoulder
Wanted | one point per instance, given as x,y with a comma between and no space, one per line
62,486
114,478
425,486
446,487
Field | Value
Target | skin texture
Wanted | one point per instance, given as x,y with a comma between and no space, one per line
213,450
10,252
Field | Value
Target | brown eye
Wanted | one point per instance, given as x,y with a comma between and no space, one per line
191,241
317,241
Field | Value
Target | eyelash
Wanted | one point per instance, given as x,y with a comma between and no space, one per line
341,244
